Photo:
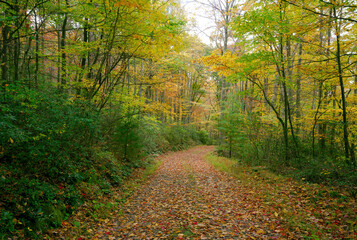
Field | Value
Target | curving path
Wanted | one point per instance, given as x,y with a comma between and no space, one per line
188,199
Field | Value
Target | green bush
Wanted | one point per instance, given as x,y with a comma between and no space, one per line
136,137
7,223
180,137
255,144
33,204
55,152
44,132
45,139
151,135
203,137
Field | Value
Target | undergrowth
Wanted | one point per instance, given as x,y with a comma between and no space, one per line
58,153
314,210
101,208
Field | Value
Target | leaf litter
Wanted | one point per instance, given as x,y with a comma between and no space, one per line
187,198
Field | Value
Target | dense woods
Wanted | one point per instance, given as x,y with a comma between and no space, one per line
289,80
90,90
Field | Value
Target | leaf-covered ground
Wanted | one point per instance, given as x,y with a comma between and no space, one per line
187,198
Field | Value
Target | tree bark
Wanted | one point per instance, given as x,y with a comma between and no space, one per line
63,53
342,87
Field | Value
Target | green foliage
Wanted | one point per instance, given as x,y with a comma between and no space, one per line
275,120
46,134
180,137
41,190
256,143
60,143
134,138
57,152
7,224
204,137
233,126
44,141
151,135
126,139
284,196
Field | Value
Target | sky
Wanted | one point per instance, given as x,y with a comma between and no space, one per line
199,14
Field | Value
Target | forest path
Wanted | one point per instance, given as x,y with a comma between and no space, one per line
188,199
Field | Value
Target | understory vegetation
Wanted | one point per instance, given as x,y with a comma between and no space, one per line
88,94
91,90
287,87
251,140
312,211
60,152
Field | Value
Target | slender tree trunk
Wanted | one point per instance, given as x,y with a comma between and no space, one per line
321,125
266,87
226,19
26,62
63,53
16,44
333,123
84,56
128,75
284,88
141,86
134,76
298,92
4,59
289,91
342,87
37,49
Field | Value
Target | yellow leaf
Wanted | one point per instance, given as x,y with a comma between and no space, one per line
12,141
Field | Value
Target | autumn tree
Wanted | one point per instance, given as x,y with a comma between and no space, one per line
298,58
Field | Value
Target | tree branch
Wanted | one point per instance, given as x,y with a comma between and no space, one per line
319,13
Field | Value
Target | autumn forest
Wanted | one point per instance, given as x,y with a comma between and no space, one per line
178,119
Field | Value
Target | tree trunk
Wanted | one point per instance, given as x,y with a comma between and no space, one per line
4,59
298,92
342,87
84,56
63,53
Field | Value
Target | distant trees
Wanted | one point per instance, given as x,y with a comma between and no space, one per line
87,90
298,62
92,49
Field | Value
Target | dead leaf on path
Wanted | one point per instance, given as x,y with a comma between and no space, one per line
188,199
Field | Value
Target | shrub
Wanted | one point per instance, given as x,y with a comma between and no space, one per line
56,152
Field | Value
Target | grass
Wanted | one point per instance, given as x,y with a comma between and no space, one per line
151,169
312,210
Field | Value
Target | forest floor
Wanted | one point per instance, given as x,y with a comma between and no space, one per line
188,198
